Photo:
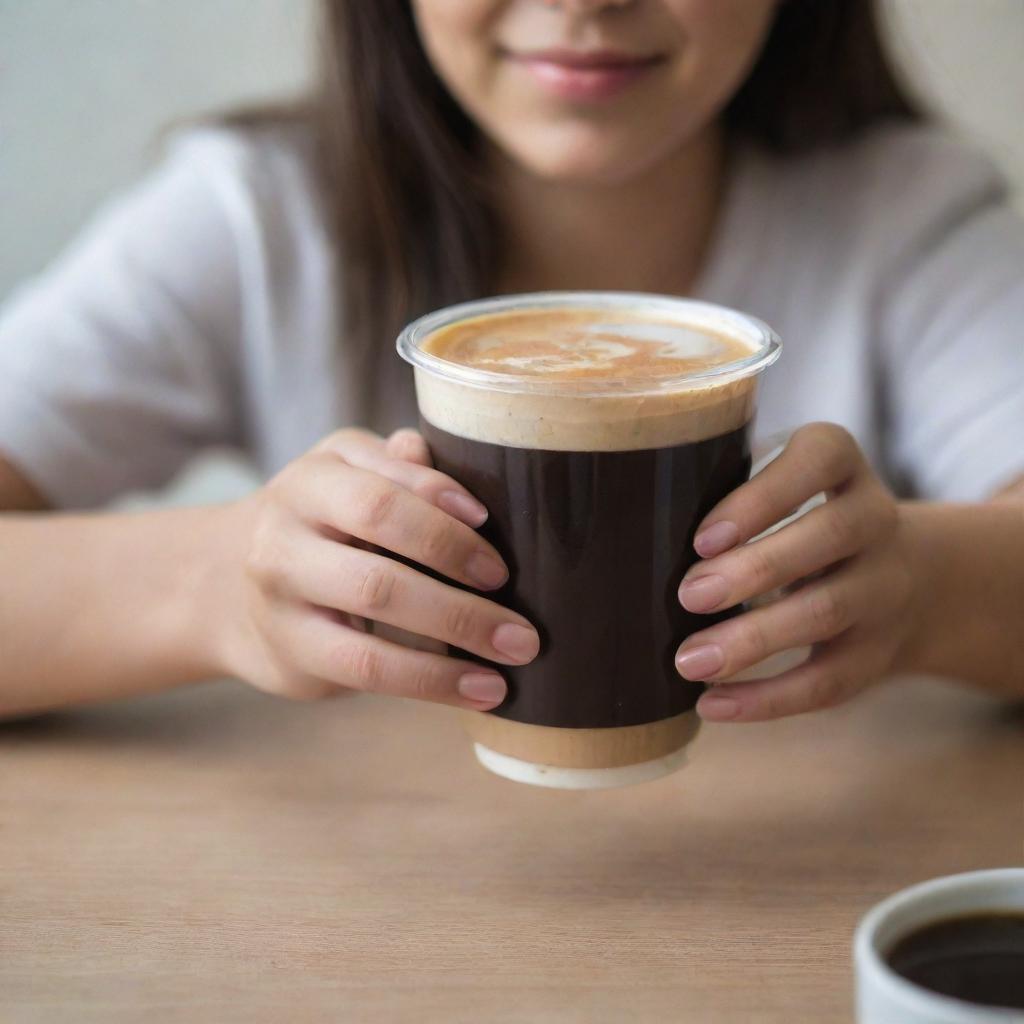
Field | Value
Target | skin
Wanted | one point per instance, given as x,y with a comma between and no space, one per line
278,588
880,586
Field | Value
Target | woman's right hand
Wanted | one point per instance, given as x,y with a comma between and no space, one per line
308,570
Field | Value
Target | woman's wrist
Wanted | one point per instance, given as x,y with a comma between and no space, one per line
916,654
205,612
112,605
967,567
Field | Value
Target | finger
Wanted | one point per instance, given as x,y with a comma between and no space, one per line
819,457
362,503
409,445
378,588
815,613
322,649
834,531
366,450
834,673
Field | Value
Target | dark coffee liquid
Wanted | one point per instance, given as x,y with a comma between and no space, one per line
596,544
979,958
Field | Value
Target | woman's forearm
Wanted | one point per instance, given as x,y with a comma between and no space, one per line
969,563
106,605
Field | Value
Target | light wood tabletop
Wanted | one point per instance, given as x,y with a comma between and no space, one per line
219,855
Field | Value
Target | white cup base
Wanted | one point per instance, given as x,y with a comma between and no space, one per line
555,777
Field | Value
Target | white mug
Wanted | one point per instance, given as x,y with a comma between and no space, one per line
883,996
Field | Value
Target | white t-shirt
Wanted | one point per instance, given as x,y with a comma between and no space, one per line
199,310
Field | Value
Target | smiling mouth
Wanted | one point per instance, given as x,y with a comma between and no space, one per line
586,75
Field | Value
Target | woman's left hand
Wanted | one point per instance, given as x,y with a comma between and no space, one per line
850,559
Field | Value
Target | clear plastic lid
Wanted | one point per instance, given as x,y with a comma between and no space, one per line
764,344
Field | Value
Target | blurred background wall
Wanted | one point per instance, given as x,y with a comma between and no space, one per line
86,86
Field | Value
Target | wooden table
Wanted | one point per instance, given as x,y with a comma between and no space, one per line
219,855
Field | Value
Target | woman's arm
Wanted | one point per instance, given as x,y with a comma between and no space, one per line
970,568
105,605
276,588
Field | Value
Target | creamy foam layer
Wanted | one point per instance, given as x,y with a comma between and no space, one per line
587,351
584,344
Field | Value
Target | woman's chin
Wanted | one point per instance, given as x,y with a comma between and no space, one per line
590,165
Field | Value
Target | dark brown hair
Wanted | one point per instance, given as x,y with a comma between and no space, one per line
398,158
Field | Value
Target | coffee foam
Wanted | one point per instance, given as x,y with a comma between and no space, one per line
582,344
586,351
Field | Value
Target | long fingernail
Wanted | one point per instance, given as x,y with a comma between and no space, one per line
485,687
486,572
716,708
516,642
716,539
466,509
700,663
703,594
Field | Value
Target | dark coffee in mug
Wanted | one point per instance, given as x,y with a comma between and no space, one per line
977,957
599,430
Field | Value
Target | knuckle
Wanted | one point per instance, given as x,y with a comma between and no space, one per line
827,435
830,461
438,545
828,611
266,563
762,567
772,706
425,483
405,438
336,439
837,435
376,505
425,685
753,640
374,591
459,623
767,505
765,500
362,667
827,448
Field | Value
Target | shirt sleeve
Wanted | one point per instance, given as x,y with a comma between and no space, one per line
953,333
118,363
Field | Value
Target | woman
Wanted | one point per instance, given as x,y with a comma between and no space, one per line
750,152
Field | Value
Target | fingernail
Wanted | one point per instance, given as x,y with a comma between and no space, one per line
463,507
516,642
486,572
703,594
716,708
485,687
716,539
700,663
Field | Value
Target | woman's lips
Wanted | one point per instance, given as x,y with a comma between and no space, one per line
585,76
